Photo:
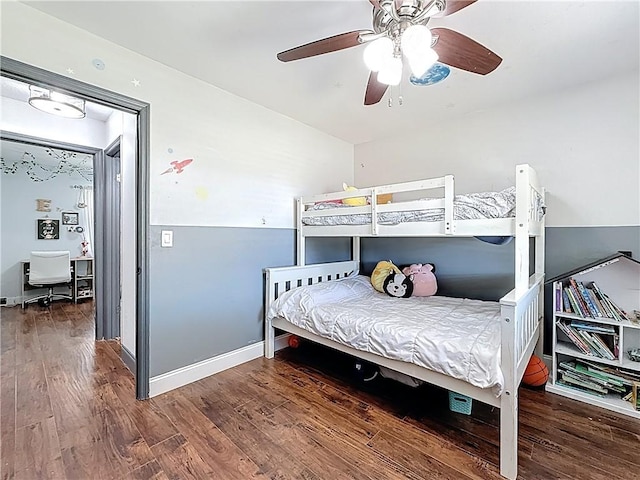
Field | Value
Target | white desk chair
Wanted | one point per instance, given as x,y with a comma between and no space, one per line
48,269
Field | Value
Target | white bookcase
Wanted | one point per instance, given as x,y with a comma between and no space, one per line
619,278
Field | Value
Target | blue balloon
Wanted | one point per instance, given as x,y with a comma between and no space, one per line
435,74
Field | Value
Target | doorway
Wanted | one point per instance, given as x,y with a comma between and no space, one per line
107,291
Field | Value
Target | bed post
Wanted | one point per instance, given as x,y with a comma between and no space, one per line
269,331
355,250
509,397
301,254
540,262
523,203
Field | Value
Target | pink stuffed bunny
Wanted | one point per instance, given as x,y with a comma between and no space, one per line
424,280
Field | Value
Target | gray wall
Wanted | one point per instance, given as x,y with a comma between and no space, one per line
464,266
207,290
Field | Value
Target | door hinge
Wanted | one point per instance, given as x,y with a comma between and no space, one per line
118,177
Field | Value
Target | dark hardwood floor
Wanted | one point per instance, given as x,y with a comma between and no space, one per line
68,412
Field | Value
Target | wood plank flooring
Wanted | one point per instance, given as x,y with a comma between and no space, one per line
68,411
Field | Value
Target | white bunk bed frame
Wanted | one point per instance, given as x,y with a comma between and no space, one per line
521,308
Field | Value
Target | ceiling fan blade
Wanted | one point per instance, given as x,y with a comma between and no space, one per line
452,6
459,51
326,45
375,90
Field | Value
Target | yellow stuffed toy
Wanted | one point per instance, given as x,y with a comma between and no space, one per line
383,269
359,201
354,201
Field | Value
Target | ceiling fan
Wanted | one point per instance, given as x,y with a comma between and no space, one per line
400,31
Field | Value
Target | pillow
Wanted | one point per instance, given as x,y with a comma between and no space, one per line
354,201
383,269
423,278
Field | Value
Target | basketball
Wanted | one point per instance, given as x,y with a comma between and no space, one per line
294,342
536,374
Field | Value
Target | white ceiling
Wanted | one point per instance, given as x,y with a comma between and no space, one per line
546,46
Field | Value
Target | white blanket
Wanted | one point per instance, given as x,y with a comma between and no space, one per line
454,336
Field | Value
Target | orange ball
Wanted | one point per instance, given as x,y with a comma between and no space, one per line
536,374
294,342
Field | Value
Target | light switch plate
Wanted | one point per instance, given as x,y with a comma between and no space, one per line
167,238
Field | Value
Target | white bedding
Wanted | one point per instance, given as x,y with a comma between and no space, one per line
473,206
454,336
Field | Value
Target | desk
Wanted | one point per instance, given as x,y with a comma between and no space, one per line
81,279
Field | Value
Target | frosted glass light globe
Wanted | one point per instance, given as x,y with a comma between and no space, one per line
377,53
420,62
415,39
391,72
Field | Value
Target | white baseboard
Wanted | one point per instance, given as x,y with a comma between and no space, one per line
191,373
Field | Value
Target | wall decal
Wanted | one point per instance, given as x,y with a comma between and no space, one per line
48,229
40,170
43,205
177,166
136,82
202,193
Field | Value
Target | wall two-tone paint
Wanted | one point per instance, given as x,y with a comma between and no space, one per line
232,206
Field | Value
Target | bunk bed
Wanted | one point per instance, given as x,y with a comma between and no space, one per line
519,311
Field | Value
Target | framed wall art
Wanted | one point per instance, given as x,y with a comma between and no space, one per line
70,218
48,229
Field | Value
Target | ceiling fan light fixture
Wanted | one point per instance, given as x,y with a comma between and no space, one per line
377,53
391,72
56,103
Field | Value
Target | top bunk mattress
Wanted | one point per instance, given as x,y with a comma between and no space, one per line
457,337
473,206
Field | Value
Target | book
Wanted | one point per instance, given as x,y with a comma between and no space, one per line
565,301
582,346
558,291
603,302
575,307
593,327
595,302
617,310
593,311
582,303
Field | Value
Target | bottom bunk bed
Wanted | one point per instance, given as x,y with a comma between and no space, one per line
490,363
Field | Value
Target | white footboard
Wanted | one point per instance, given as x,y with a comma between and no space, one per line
280,280
521,327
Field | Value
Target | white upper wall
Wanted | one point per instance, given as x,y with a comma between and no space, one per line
583,142
248,162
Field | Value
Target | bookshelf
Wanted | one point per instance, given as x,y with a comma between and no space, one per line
595,325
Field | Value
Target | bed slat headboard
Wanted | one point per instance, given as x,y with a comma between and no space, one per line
280,280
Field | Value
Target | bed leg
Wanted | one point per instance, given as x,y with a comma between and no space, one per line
269,340
509,434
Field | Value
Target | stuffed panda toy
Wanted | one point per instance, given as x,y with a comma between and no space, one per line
398,285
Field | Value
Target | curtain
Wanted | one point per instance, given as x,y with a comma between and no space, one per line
86,206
